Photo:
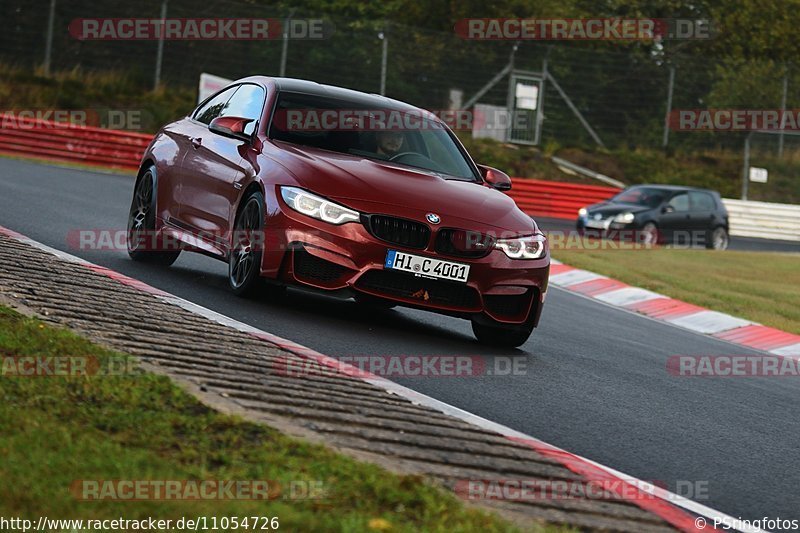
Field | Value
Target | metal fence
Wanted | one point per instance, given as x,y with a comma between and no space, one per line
621,91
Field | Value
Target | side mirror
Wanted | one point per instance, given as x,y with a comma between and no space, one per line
232,127
496,178
667,209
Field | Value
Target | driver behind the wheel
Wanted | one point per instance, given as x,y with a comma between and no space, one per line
390,143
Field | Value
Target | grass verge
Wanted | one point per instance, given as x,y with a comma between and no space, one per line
94,92
141,426
760,286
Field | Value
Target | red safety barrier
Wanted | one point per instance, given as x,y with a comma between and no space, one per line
120,149
556,199
31,137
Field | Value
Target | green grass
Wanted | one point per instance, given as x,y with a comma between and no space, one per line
760,286
719,170
519,161
140,426
21,89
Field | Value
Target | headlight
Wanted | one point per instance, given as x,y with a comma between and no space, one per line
624,218
532,247
317,207
582,212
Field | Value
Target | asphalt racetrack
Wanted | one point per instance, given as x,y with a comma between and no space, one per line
594,382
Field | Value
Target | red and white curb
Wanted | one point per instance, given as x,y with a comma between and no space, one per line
670,507
692,317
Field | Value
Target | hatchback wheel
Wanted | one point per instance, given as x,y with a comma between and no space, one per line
648,235
143,243
718,240
498,334
244,261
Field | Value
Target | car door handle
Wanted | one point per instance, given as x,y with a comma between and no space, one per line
196,141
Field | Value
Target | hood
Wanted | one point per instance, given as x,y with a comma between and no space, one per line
608,209
374,186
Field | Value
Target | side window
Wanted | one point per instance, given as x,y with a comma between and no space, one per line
248,102
702,201
212,109
680,202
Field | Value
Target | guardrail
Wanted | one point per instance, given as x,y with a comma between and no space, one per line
764,220
32,137
556,199
44,139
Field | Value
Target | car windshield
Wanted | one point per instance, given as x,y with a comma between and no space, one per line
644,196
402,137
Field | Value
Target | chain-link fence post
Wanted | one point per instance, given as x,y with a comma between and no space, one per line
746,166
670,89
285,47
540,103
384,36
48,51
783,111
160,53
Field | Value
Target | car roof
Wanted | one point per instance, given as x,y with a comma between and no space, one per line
674,188
358,98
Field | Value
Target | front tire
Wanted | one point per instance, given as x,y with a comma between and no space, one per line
244,259
648,235
501,335
142,237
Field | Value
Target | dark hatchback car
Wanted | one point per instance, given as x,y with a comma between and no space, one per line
663,214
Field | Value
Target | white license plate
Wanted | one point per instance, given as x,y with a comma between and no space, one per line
426,266
596,224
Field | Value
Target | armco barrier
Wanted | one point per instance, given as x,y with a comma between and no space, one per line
119,149
30,137
556,199
764,220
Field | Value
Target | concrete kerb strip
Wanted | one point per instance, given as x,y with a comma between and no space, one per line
699,320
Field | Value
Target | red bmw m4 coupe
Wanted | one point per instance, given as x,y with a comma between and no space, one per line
296,183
